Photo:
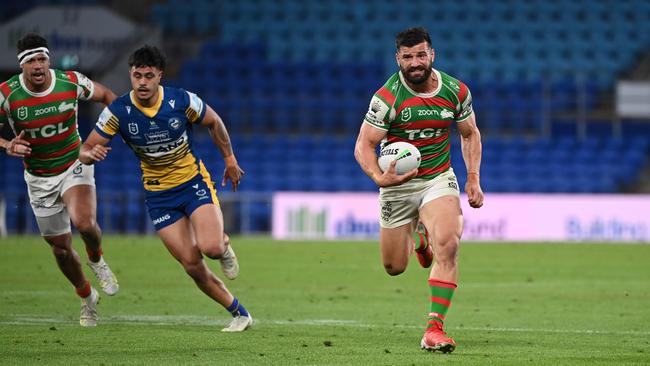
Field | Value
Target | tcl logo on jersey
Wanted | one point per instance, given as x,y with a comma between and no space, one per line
47,130
425,133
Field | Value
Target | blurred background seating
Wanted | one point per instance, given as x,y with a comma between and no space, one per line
292,80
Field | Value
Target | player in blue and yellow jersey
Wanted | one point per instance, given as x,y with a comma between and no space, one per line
156,122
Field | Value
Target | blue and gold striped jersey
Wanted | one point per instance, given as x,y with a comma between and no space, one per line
160,136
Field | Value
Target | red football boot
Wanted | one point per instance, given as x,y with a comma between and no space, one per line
425,255
435,339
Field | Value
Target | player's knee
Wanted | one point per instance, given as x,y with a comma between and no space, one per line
214,248
61,245
393,270
214,251
59,252
86,224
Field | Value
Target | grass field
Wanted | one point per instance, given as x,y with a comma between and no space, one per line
330,303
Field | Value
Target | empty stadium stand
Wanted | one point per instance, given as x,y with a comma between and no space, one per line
293,80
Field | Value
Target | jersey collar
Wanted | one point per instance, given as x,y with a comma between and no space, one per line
149,111
423,95
40,94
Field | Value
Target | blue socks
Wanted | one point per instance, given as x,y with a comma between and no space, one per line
237,309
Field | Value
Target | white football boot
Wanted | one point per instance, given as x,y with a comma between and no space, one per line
239,324
229,263
88,317
105,276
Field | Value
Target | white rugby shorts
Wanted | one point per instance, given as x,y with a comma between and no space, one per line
400,204
46,196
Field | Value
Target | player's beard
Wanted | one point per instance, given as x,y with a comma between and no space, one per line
418,80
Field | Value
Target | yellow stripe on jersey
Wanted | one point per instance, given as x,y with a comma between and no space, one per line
168,158
209,183
191,114
149,111
108,123
112,126
169,176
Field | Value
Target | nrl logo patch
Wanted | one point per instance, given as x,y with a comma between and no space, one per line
406,114
22,113
133,128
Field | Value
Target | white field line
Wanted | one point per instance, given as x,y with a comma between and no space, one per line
480,285
168,320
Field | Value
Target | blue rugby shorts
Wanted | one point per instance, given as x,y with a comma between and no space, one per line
168,206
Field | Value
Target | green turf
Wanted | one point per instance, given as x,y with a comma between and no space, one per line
330,303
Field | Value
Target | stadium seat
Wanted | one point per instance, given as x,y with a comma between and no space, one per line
281,72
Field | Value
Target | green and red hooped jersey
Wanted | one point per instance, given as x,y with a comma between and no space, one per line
48,118
421,119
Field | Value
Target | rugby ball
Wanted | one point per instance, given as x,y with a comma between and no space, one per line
407,156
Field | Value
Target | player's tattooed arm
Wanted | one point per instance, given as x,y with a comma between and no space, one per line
218,132
220,137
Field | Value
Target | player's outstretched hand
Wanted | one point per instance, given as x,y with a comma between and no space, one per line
18,146
232,173
99,152
474,191
391,178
